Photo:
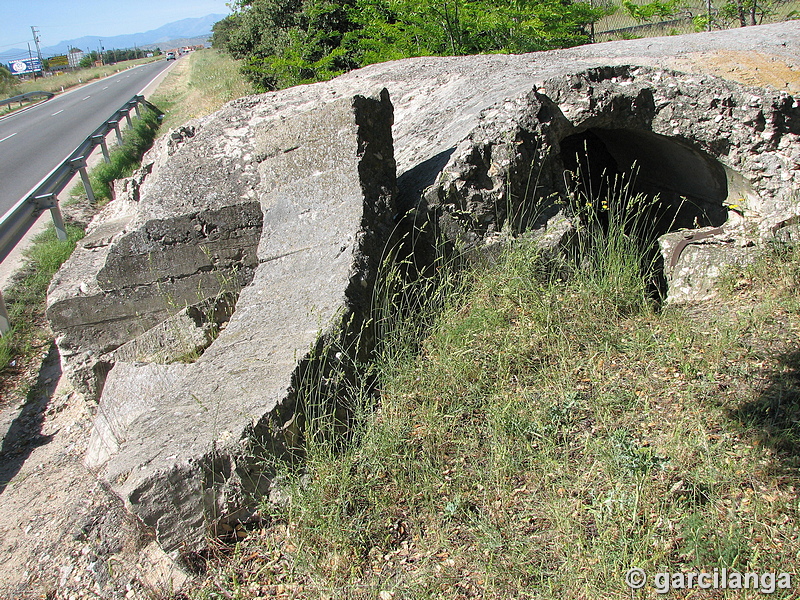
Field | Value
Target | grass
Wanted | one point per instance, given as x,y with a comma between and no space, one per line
199,86
544,435
29,333
123,159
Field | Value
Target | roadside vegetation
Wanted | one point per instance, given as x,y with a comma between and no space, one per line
286,42
30,338
543,426
123,159
199,86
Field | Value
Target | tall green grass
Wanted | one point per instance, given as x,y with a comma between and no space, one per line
123,159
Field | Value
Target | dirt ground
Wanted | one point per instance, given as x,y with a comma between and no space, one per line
63,535
744,67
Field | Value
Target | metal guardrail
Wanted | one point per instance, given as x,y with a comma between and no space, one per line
21,217
28,96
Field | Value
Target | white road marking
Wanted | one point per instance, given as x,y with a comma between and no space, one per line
87,97
105,88
57,113
7,137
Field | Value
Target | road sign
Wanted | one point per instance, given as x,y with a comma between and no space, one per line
22,67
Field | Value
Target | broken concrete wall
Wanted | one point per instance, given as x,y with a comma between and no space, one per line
142,262
714,152
488,133
181,443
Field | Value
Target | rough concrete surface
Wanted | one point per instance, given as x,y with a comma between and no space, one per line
173,440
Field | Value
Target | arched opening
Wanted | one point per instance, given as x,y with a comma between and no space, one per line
687,186
680,186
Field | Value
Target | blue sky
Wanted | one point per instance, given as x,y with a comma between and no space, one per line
60,20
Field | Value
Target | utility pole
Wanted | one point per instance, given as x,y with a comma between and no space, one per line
30,56
102,62
38,49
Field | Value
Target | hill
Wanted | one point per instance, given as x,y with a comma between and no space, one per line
175,33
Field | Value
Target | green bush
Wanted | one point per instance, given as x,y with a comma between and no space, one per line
287,42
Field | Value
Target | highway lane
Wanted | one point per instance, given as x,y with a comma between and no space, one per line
35,141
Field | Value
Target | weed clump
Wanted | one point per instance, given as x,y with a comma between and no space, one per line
124,159
25,297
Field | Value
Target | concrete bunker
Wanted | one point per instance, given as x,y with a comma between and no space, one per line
715,160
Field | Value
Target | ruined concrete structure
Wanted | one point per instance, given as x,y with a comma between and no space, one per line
250,241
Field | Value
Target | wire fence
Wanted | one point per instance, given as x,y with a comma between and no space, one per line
630,19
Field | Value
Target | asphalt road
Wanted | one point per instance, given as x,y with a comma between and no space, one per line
35,141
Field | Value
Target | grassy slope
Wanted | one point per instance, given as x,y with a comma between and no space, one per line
199,86
550,435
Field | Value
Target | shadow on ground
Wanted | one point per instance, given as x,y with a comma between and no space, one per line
774,415
24,434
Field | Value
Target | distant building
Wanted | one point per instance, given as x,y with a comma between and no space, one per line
74,56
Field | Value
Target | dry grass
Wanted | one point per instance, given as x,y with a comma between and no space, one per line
199,86
545,440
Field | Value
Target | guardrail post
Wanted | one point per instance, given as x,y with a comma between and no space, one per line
136,108
128,119
5,323
80,164
58,223
115,124
50,201
103,146
87,184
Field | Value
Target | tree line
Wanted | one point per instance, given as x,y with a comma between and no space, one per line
288,42
110,57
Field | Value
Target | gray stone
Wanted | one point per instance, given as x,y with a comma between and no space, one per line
180,442
179,337
282,202
695,260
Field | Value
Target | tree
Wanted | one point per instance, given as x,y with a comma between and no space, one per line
7,81
286,42
746,12
89,59
647,12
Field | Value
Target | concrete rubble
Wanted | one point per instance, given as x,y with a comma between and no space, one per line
250,240
177,441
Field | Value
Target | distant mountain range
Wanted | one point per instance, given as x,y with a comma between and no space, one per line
169,35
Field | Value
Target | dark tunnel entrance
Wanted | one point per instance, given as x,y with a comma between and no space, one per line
690,186
681,187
